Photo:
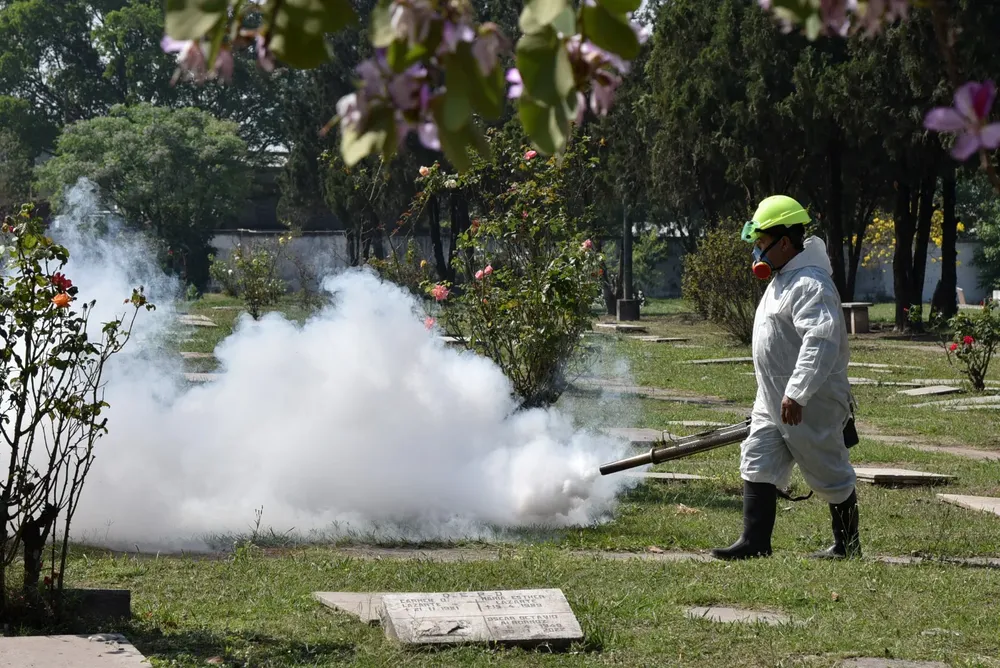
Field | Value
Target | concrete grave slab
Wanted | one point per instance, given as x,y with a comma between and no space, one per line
971,401
737,616
365,605
635,436
94,651
696,423
980,407
198,356
951,381
889,663
526,617
620,328
873,365
201,377
661,476
986,504
196,321
886,476
659,339
723,360
931,390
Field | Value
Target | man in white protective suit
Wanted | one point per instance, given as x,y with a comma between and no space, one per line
803,407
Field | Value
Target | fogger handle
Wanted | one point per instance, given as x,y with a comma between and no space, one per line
657,455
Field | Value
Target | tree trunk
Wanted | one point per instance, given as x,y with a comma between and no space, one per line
460,222
34,534
835,217
902,260
434,215
923,236
945,300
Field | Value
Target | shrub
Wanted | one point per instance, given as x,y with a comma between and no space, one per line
530,275
718,283
975,339
52,389
251,272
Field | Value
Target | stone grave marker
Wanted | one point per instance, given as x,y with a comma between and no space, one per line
637,437
886,476
659,339
201,377
624,329
526,617
108,650
365,605
696,423
888,663
196,321
724,360
972,401
931,390
198,356
737,615
984,503
661,476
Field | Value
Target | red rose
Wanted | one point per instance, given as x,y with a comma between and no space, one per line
954,347
968,340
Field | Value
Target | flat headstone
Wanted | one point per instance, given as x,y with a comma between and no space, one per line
619,327
931,390
106,650
737,615
972,401
198,356
452,340
636,436
660,339
950,381
724,360
986,504
889,663
664,477
196,321
980,407
696,423
884,476
874,365
516,617
201,377
365,605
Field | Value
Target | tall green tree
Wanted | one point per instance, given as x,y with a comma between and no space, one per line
175,173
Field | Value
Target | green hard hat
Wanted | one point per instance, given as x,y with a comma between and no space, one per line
773,211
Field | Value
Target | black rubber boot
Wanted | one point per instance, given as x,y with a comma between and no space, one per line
759,505
846,540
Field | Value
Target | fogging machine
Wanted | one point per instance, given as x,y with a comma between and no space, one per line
708,440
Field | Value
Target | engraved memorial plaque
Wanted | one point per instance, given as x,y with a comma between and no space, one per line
516,617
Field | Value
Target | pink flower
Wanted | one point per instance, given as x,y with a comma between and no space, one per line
264,56
439,292
953,347
429,322
967,119
192,58
587,245
488,270
968,340
516,85
424,171
479,275
530,154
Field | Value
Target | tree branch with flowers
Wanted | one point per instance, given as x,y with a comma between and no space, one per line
52,377
435,67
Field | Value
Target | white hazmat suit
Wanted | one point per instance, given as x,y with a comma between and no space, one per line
800,351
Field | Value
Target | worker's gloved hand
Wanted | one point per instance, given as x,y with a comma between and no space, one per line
791,412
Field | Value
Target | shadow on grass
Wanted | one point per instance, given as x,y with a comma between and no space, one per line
196,648
659,495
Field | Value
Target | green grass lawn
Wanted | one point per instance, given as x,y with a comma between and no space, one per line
253,607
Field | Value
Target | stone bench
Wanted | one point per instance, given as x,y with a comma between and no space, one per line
856,317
